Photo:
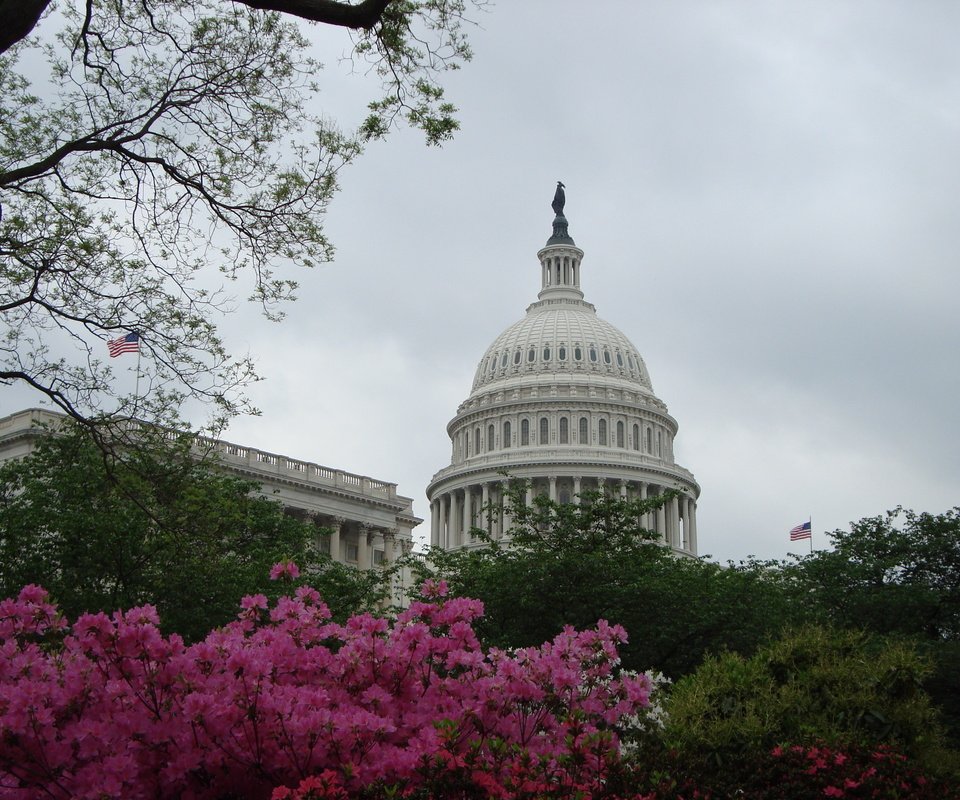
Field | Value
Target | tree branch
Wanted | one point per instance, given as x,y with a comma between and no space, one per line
330,12
17,19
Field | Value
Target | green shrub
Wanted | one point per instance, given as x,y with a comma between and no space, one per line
812,685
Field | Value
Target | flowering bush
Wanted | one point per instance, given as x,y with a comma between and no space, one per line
285,701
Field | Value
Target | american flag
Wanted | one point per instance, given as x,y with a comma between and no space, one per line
801,531
124,344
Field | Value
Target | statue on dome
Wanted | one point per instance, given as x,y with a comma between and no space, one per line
559,198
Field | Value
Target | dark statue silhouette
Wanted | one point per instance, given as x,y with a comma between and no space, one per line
559,198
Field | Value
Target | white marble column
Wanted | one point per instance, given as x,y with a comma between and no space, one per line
338,523
451,526
644,518
623,488
485,518
364,551
435,523
675,521
553,488
389,546
467,515
661,527
576,489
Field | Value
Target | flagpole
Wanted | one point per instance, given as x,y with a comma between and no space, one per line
810,520
136,389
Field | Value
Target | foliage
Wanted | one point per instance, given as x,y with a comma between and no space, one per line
283,697
896,575
841,687
577,563
169,140
155,526
791,772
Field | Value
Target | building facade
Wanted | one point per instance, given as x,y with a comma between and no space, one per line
563,400
361,521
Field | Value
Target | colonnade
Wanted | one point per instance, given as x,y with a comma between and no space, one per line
481,505
355,543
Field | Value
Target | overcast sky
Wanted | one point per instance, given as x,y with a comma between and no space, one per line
767,198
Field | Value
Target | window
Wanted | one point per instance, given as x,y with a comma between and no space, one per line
516,357
577,354
593,353
636,437
564,496
506,434
606,356
658,442
562,353
620,441
490,437
546,353
377,557
602,431
524,432
503,360
564,430
649,447
476,441
544,430
353,552
619,360
531,355
584,430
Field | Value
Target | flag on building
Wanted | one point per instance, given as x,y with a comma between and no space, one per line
801,531
124,344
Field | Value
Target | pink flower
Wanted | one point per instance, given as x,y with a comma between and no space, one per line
284,569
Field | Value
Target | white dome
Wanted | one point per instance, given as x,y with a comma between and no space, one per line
561,400
562,339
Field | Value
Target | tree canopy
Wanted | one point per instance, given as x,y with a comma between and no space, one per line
169,140
157,526
573,564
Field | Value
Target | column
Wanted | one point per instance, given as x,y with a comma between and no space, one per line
623,488
451,527
435,523
644,518
692,524
338,523
661,527
389,546
576,489
467,515
364,554
506,520
675,521
485,521
528,499
553,488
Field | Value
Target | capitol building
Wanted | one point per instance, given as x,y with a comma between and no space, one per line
563,401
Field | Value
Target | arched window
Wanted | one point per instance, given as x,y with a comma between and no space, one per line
636,437
517,356
606,356
577,353
658,442
476,441
620,440
602,431
524,431
506,433
584,430
619,360
593,353
531,354
562,353
544,431
649,441
564,431
546,353
503,360
490,436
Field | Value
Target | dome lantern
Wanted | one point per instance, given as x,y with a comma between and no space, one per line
560,258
